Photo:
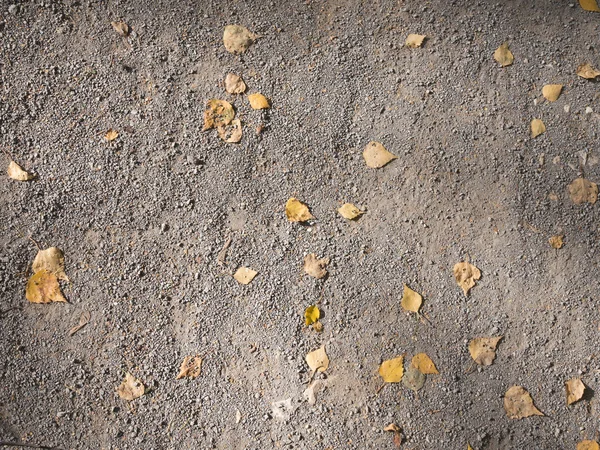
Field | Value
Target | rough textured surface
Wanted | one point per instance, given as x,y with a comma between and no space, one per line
142,219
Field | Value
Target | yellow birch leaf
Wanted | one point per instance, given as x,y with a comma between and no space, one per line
16,172
245,275
43,287
424,364
537,128
191,367
411,300
53,260
582,190
311,315
589,5
483,349
551,92
588,445
518,404
414,40
587,71
218,113
296,211
318,360
503,55
392,370
349,211
237,39
376,155
575,389
259,101
556,241
130,388
465,275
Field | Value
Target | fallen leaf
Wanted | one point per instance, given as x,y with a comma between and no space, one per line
245,275
16,172
53,260
238,416
424,363
131,388
231,133
483,349
411,300
551,92
83,321
318,360
397,433
588,445
296,211
537,128
259,101
392,427
414,40
282,410
575,389
234,84
311,315
376,155
413,379
518,404
121,28
43,287
582,190
392,370
589,5
587,71
191,367
111,135
465,275
218,113
469,446
318,327
503,55
315,267
556,241
310,394
237,39
349,211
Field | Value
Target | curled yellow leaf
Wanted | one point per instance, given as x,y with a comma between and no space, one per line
311,315
537,128
392,370
551,92
424,364
296,211
411,300
589,5
503,55
259,101
349,211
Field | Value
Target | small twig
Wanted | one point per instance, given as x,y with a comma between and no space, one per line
35,243
16,444
2,312
380,388
223,253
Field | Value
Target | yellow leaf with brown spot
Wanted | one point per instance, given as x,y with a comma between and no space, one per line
575,389
318,360
414,40
582,190
16,172
191,367
234,84
245,275
587,71
130,388
218,113
349,211
259,101
111,135
537,128
483,349
518,404
556,241
411,300
314,266
392,370
589,5
588,445
237,39
551,92
53,260
296,211
311,315
43,287
503,55
465,275
376,155
424,364
231,133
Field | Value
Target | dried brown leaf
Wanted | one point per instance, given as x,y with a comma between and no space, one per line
349,211
191,367
16,172
111,135
130,388
53,260
575,389
84,319
582,190
234,84
537,128
556,241
376,155
588,72
503,55
218,113
244,275
231,133
315,267
413,379
237,39
465,275
551,92
296,211
121,28
518,404
43,287
414,40
483,349
317,360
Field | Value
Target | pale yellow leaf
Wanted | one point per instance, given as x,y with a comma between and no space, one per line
349,211
318,360
296,211
376,155
582,190
53,260
111,135
587,71
411,300
191,367
16,172
537,128
551,92
589,5
43,287
244,275
130,388
121,28
503,55
556,241
237,39
234,84
231,133
311,315
314,266
588,445
483,349
392,370
424,364
218,113
575,389
465,275
518,404
414,40
259,101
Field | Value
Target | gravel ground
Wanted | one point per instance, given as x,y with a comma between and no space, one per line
142,219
